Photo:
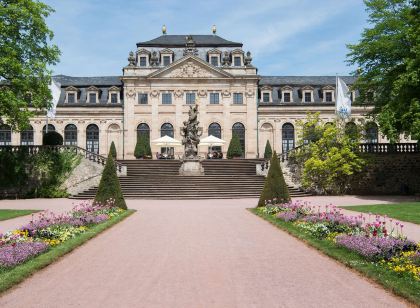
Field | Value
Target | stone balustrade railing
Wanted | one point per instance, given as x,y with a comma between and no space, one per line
33,149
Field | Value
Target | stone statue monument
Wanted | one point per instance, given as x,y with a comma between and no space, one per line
191,133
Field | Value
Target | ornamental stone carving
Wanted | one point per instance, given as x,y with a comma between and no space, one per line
250,93
226,59
190,48
189,70
154,59
131,93
131,59
226,93
248,59
202,93
154,93
178,93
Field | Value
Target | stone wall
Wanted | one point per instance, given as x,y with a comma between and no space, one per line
389,174
86,175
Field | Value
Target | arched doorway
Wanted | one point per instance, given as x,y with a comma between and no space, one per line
50,128
266,134
27,136
371,132
167,130
143,130
288,137
92,138
215,130
113,135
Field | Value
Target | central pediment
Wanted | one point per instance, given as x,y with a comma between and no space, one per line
190,67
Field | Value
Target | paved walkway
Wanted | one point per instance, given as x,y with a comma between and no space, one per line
207,253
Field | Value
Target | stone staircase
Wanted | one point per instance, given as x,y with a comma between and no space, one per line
159,179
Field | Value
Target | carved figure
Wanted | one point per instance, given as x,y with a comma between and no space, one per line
191,134
131,59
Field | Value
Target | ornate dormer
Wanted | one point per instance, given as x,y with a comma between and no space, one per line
71,94
307,94
266,92
214,56
190,48
287,94
143,57
238,57
328,94
92,94
114,95
166,57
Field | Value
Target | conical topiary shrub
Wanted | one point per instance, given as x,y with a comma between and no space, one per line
235,148
275,186
268,152
140,151
113,150
109,186
147,148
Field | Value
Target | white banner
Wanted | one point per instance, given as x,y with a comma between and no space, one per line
343,99
55,89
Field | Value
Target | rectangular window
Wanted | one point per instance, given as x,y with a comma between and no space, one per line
142,98
238,98
143,61
166,98
166,60
286,97
328,96
92,97
190,98
214,98
71,98
214,61
308,97
114,98
237,61
266,97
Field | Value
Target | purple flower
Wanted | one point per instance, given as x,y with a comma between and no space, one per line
16,253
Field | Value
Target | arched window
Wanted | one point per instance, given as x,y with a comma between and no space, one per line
50,128
351,130
215,130
371,132
5,135
27,136
167,130
288,137
239,130
143,130
92,138
70,134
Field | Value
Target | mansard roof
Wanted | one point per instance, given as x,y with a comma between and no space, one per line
304,80
179,41
66,81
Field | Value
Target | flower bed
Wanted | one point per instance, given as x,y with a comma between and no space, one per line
376,238
48,230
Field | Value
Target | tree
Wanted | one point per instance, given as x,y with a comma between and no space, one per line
388,55
25,54
268,152
140,149
235,147
113,150
275,186
109,186
147,147
326,164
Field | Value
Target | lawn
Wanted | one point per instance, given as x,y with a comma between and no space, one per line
407,211
9,214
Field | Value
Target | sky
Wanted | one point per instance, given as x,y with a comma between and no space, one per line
285,37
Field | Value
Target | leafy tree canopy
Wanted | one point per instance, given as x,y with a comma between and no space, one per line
388,55
25,53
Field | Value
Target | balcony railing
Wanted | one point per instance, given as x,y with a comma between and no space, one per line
34,149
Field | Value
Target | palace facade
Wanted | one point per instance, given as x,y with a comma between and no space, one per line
168,74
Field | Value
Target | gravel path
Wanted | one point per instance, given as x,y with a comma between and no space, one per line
207,253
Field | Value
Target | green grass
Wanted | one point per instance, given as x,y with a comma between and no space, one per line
11,277
406,211
401,285
9,214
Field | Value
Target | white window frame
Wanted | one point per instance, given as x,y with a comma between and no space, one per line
304,93
269,96
211,56
166,53
287,92
324,96
75,96
88,97
145,57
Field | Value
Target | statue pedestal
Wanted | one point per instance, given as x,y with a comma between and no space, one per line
191,167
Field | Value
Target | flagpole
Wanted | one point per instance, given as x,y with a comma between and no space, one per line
336,93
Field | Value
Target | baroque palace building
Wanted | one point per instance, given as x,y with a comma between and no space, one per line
168,74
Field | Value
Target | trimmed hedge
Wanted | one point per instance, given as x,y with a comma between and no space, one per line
268,152
275,185
235,148
113,150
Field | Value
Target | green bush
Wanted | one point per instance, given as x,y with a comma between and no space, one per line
52,138
109,186
275,186
235,148
142,149
268,152
113,150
